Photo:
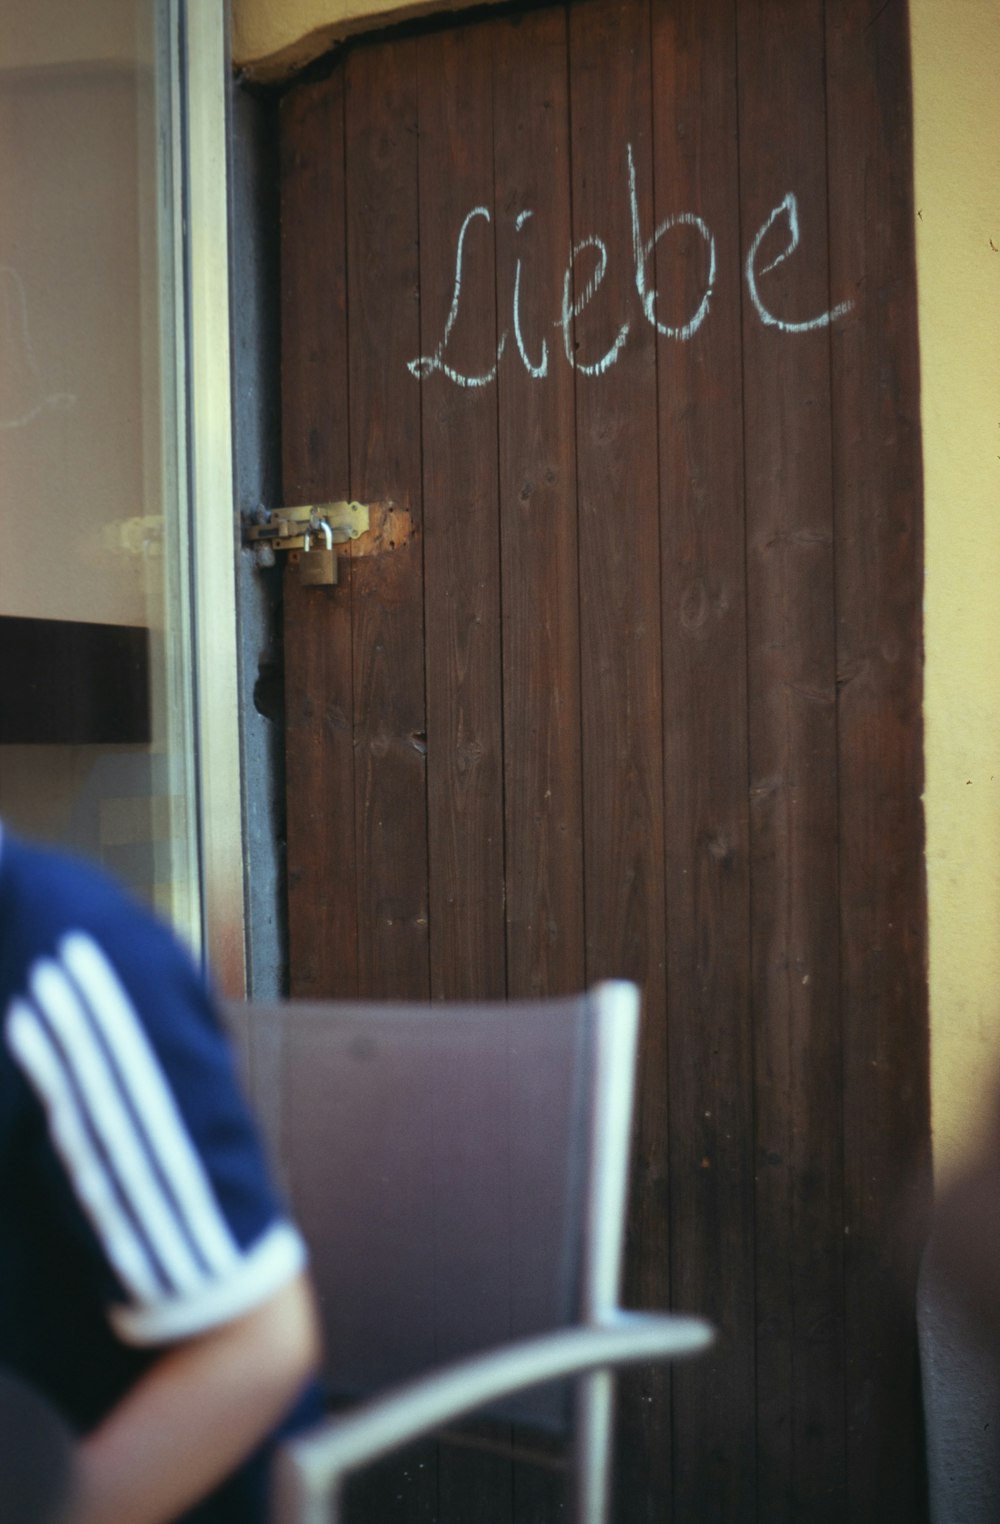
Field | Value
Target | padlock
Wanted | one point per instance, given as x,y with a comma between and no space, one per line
318,568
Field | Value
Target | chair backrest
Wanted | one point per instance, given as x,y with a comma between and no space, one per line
445,1166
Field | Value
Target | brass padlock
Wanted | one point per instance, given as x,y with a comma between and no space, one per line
318,568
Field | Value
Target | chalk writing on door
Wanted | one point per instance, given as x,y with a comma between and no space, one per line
788,208
585,271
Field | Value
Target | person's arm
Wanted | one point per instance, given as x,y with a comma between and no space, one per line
197,1413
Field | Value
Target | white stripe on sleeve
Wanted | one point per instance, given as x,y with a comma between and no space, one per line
126,1152
33,1049
141,1073
267,1266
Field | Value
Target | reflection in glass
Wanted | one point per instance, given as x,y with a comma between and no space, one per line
93,576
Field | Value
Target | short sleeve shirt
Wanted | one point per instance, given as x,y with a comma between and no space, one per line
135,1204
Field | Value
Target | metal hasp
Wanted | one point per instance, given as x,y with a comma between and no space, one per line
288,528
294,530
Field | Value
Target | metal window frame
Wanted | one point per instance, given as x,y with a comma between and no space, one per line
198,44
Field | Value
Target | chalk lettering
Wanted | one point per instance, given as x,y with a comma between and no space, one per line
789,207
425,364
641,252
541,369
571,310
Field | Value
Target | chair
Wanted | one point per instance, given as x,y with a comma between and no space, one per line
460,1173
36,1456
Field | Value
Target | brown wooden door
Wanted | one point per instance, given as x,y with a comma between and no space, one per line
611,308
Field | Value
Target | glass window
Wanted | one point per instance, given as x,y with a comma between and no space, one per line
97,743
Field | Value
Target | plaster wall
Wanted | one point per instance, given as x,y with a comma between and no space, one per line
956,62
273,38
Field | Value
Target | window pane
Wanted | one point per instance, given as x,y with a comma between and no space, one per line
96,746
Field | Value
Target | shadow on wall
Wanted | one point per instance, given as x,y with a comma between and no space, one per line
959,1319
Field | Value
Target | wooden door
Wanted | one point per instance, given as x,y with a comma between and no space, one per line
610,308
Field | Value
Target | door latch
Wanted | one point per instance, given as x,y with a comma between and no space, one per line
296,529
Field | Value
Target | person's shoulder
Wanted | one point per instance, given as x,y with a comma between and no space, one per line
48,896
47,892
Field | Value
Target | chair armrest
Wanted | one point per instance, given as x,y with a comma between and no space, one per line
325,1455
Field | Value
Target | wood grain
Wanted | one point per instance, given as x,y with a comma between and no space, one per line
623,832
799,1052
319,690
538,514
462,522
381,218
705,745
877,485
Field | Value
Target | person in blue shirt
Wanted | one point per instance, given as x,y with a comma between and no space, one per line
151,1286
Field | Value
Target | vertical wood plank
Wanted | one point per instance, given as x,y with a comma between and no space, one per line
793,745
319,700
705,747
613,352
459,343
539,554
877,483
387,588
462,549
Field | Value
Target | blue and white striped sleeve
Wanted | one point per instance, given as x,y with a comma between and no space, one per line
144,1114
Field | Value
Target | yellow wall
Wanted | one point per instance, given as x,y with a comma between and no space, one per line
956,65
271,38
